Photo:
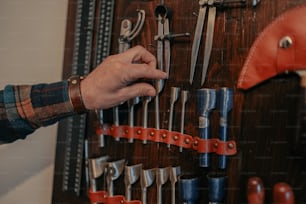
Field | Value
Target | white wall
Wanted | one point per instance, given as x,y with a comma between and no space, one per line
32,36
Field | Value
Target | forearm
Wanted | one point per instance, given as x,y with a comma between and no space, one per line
25,108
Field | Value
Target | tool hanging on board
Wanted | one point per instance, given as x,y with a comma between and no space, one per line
255,191
163,48
163,39
224,105
206,102
211,6
131,104
147,177
131,175
127,34
216,188
283,194
145,102
112,172
184,98
189,189
174,95
162,176
96,170
255,2
174,173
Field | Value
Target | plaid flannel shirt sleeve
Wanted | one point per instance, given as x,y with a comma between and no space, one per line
25,108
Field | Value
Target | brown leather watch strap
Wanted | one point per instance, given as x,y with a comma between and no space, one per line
75,94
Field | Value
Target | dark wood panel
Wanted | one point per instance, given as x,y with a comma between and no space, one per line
262,121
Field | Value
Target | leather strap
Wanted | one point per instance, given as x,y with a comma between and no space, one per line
75,94
119,199
102,197
272,54
97,197
198,144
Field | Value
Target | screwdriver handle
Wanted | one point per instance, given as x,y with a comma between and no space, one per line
224,106
282,194
204,133
206,102
255,191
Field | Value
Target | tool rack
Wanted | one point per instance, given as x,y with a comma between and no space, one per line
261,120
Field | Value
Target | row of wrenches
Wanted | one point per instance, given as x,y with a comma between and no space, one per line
207,101
188,186
111,171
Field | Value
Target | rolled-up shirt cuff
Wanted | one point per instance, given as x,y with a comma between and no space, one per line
30,107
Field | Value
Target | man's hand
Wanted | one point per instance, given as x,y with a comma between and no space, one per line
111,83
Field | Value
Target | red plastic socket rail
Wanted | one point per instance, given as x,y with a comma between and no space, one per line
212,145
102,197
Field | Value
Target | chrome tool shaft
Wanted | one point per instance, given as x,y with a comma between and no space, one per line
113,171
209,38
147,178
131,104
184,98
145,102
174,94
162,175
174,173
197,38
131,175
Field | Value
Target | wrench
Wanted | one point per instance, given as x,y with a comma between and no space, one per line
131,175
145,102
184,95
113,171
173,98
147,178
174,173
162,175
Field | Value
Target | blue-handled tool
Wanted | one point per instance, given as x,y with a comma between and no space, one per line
206,102
188,189
224,106
216,189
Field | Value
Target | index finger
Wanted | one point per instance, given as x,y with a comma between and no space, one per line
139,54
